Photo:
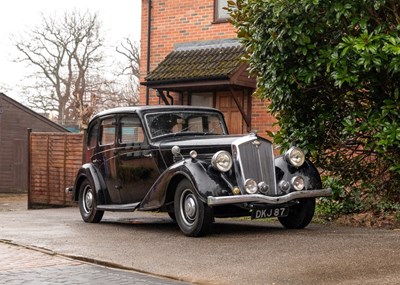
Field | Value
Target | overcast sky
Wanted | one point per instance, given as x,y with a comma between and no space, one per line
120,19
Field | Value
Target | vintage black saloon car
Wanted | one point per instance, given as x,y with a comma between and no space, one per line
181,160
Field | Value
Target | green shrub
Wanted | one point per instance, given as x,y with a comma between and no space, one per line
331,70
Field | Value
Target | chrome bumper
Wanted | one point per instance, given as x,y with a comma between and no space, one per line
262,199
68,190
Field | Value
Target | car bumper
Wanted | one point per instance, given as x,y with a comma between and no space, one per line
262,199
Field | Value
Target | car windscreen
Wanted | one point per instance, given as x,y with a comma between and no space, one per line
183,123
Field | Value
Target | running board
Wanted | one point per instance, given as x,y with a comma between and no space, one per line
118,207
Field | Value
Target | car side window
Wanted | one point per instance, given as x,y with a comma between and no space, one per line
92,135
107,131
131,131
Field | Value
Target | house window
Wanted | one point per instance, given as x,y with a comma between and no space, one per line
202,99
220,14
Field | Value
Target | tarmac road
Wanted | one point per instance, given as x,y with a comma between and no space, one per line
237,252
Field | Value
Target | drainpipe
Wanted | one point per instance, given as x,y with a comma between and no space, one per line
148,48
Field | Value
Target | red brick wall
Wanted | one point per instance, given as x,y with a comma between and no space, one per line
186,21
262,121
177,22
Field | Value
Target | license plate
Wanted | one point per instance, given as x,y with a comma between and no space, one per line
270,213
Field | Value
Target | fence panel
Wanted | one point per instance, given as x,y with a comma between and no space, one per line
54,160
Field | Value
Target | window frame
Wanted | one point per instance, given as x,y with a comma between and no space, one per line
94,126
211,94
217,9
137,125
101,130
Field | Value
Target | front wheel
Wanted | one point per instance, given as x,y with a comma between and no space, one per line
88,203
300,215
172,216
192,215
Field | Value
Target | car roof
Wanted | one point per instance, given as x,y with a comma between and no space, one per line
145,109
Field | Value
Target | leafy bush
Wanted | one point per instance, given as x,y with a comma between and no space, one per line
332,72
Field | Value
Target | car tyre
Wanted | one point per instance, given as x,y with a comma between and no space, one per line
88,204
172,216
192,215
300,215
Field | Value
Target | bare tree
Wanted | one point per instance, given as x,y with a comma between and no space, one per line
64,53
131,52
69,72
129,69
4,88
123,88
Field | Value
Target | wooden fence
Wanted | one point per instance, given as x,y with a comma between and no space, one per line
54,159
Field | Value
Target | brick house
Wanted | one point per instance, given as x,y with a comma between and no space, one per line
190,55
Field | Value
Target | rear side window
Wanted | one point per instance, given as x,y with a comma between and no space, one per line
107,131
93,135
131,130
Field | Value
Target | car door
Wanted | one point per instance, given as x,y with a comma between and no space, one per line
137,170
105,158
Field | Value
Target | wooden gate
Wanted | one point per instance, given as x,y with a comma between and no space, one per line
54,159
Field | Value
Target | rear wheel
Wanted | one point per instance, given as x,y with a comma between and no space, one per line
88,203
192,215
300,215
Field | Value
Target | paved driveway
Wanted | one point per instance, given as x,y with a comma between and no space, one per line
24,266
238,252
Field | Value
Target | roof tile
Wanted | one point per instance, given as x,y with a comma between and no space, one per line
206,63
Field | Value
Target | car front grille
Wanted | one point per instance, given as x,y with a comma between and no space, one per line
254,159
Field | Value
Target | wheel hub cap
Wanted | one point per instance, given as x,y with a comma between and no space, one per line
190,207
89,200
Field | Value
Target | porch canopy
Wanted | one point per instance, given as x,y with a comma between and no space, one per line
209,66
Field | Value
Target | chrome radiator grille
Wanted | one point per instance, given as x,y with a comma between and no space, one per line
254,158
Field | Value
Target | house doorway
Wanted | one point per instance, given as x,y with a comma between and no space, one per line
234,120
225,103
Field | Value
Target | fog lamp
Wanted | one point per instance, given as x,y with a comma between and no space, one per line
264,187
298,183
284,186
251,186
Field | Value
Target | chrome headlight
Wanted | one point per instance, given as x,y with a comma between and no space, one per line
222,161
295,156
